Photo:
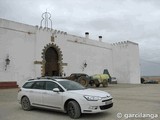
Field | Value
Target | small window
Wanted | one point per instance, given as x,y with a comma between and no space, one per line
28,85
39,85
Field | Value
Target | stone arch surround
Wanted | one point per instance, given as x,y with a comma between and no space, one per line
60,57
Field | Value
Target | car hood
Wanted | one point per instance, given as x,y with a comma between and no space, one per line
91,92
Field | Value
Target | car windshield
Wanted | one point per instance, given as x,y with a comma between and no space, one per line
71,85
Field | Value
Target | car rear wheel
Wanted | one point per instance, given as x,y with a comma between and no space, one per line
73,109
26,104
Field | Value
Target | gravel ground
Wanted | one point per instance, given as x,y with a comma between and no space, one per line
131,102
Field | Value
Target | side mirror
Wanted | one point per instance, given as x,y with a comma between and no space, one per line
56,90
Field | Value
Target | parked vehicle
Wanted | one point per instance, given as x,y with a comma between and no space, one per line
103,79
81,78
96,79
63,95
100,79
150,82
142,80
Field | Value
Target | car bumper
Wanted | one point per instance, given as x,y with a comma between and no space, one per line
97,106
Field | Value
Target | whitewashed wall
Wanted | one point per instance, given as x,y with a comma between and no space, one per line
126,62
134,63
17,41
24,44
96,54
76,51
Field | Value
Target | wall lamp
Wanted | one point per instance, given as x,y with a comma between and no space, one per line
7,60
84,66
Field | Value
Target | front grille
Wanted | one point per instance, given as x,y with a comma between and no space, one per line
106,106
107,100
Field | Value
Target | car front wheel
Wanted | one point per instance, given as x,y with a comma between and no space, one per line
26,104
73,109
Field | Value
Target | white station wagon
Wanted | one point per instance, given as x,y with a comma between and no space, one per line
63,95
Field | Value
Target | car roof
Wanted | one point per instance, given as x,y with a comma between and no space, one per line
48,79
78,74
61,79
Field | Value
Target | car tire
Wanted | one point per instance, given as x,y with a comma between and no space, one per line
83,81
105,83
97,84
73,109
91,82
25,103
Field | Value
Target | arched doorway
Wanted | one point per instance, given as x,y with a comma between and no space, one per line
52,60
51,65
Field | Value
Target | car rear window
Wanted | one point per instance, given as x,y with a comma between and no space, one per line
28,85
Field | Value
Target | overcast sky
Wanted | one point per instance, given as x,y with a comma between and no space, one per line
115,20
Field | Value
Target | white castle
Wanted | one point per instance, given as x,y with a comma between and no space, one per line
31,51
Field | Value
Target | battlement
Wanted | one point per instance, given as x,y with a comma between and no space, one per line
54,31
123,44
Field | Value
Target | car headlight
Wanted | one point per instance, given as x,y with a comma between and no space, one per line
92,98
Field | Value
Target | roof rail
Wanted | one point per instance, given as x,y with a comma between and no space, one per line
50,77
47,77
31,79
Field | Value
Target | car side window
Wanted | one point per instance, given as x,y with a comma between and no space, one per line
39,85
52,85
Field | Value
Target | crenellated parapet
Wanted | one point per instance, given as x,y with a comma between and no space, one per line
123,44
53,31
120,44
59,32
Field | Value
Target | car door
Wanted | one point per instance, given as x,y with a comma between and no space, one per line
37,90
53,99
